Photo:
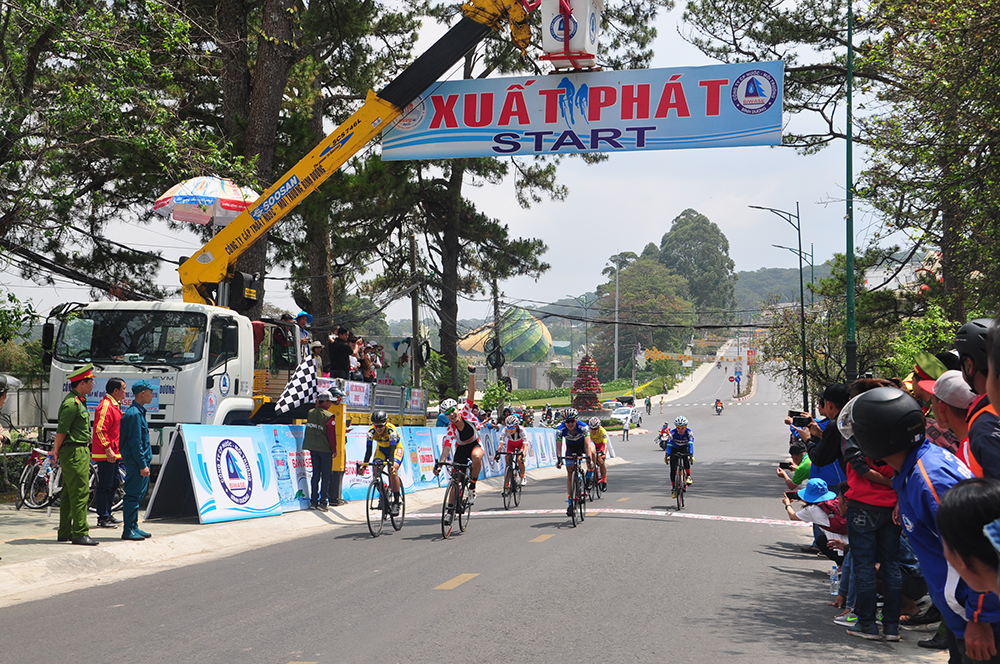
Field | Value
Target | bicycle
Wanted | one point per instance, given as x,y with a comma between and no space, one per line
578,491
594,485
35,486
681,477
378,505
456,501
512,479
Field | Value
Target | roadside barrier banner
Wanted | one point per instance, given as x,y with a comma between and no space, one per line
722,105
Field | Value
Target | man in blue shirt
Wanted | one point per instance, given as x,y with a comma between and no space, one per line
136,454
888,424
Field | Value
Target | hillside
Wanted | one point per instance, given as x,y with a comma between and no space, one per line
752,288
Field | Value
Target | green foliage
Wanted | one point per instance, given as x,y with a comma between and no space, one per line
22,360
436,374
531,395
698,250
15,318
494,395
932,332
656,387
558,376
665,367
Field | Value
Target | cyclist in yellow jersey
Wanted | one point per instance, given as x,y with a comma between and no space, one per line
599,437
389,448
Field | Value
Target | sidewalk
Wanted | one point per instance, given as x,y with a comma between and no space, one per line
34,565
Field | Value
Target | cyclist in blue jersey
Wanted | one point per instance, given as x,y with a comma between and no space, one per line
680,441
577,435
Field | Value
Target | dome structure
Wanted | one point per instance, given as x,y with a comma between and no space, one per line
524,338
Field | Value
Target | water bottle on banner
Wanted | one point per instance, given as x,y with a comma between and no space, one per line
834,580
280,458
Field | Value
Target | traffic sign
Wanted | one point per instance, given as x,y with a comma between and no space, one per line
732,378
737,379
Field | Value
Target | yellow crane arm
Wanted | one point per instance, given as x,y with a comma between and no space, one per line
213,263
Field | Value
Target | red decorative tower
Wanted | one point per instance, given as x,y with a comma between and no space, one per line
586,387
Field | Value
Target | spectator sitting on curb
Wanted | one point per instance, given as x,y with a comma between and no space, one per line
822,508
800,467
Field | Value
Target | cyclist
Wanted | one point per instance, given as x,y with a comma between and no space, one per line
600,439
390,449
681,441
462,435
516,438
577,435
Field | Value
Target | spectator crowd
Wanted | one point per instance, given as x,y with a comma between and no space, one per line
900,479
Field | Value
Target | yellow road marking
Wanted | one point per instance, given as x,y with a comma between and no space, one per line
303,663
541,538
622,500
456,582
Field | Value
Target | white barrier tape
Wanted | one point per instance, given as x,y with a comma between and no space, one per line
599,510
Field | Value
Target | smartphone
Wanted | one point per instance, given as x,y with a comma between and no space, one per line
785,465
801,421
792,495
794,413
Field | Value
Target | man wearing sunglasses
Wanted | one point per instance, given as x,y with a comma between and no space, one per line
390,449
462,434
577,436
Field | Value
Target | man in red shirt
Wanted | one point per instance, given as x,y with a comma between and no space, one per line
104,450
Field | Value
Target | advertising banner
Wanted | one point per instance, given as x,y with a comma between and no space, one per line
232,472
101,382
607,111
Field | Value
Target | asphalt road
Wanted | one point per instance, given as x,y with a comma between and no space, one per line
646,586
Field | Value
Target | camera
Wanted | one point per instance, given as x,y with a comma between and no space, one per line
801,421
785,465
792,495
794,413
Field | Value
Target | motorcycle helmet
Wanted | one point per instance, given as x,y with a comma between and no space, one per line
971,341
882,421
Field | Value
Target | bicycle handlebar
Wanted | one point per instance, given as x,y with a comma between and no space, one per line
453,465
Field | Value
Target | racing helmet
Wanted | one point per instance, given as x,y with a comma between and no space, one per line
882,421
680,421
570,414
512,421
971,341
594,422
379,417
447,405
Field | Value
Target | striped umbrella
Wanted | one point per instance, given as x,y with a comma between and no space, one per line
203,200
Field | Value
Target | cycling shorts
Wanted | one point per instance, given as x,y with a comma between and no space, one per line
394,452
574,448
463,453
601,448
515,445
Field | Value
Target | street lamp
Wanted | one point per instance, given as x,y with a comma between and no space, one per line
586,304
797,225
812,266
616,260
850,344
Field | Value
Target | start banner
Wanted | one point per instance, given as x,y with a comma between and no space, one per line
608,111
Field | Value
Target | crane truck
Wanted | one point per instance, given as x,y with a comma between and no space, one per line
212,364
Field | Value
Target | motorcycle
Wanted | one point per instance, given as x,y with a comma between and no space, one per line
718,409
663,437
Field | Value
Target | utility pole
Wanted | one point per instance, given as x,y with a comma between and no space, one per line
850,344
496,320
638,347
415,313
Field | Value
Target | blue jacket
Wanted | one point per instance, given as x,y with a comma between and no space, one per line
681,442
927,474
134,444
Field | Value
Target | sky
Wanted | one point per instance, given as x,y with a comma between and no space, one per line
619,205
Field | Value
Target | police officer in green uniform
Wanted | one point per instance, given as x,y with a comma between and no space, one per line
72,448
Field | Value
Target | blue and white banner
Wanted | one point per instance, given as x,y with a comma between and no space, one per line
609,111
232,472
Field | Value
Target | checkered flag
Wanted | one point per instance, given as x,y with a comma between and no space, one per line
302,388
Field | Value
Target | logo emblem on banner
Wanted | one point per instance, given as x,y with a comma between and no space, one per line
556,27
233,469
754,91
413,115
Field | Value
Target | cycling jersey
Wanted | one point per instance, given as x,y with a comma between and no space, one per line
389,442
514,439
576,436
681,442
599,437
452,438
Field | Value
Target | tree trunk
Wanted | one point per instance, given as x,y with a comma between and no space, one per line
450,251
274,59
318,244
235,79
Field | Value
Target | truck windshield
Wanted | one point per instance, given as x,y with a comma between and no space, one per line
133,337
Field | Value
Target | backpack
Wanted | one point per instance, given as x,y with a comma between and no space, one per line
838,523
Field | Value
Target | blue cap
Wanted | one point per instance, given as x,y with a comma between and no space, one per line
309,318
140,385
816,491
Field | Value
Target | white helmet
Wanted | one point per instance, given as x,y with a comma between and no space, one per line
447,405
681,421
594,422
513,420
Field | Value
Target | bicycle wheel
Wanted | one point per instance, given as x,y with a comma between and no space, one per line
19,489
38,489
374,508
575,492
681,486
508,482
581,506
448,508
516,488
466,511
397,521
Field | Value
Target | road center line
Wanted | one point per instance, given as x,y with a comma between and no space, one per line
622,500
541,538
456,582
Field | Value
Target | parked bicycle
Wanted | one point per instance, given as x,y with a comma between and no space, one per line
35,486
512,479
378,505
456,503
578,490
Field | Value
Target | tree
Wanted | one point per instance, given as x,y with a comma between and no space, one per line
558,375
649,295
696,249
